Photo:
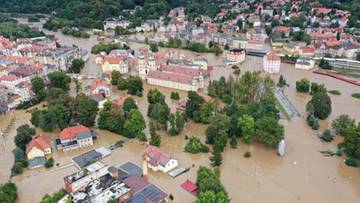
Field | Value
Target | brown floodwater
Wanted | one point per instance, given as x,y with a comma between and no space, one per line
302,175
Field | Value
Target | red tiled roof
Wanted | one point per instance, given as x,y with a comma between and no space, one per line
71,132
98,83
41,142
9,78
307,49
272,57
189,186
114,60
156,156
136,183
180,78
333,43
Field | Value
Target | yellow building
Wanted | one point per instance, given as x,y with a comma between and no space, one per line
40,146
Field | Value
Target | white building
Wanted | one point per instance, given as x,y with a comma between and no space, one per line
271,63
115,64
158,160
235,56
305,63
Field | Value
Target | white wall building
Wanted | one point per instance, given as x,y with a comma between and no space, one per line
271,63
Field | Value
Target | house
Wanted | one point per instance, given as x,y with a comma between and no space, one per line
158,160
235,56
112,23
271,63
255,45
37,149
305,63
75,137
39,146
100,87
118,63
307,51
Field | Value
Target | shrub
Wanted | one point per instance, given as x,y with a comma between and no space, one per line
334,92
175,96
17,168
247,154
327,136
303,85
356,95
351,162
49,163
195,145
313,122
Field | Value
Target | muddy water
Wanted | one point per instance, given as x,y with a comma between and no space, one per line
303,175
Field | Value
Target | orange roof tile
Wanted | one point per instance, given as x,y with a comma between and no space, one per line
41,142
71,132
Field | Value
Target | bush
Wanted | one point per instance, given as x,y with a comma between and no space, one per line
313,122
49,163
17,168
351,162
175,96
247,154
356,95
334,92
303,85
327,136
195,145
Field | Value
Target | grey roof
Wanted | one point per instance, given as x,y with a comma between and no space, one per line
131,169
87,158
84,135
36,162
97,97
150,193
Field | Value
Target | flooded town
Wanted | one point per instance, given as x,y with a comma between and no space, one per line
115,114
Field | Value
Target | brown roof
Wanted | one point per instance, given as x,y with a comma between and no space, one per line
41,142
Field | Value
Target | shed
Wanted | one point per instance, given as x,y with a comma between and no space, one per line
189,186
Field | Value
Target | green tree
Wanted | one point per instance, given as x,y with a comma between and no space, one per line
35,117
218,124
135,85
121,31
115,76
155,139
134,125
303,85
320,104
154,47
194,145
233,142
59,80
175,96
342,123
121,84
268,131
76,66
193,104
84,110
251,87
24,134
327,135
212,197
38,87
313,122
8,193
315,88
129,104
206,111
155,96
246,124
216,158
159,113
176,122
351,143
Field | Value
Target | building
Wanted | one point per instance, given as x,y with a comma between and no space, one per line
305,63
75,137
82,178
235,56
158,160
112,23
100,87
117,63
271,63
37,150
176,77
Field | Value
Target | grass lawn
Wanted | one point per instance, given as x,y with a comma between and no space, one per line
356,95
334,92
